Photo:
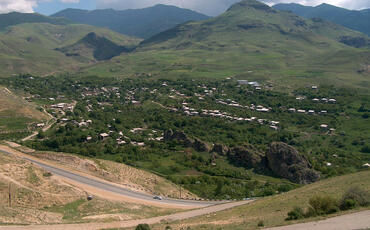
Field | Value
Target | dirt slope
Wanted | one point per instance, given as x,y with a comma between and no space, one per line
135,179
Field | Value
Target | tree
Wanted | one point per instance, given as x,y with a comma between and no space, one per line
142,227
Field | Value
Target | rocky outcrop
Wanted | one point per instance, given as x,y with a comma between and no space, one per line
197,144
220,149
285,161
201,146
247,156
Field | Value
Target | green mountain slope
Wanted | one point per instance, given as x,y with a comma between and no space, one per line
16,18
93,47
30,48
250,40
356,20
142,23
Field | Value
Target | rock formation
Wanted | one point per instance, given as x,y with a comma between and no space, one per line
285,161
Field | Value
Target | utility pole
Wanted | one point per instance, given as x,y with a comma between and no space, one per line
10,196
180,192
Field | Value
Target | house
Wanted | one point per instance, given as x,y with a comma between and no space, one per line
104,135
292,110
324,126
40,125
332,100
314,87
324,112
367,165
243,82
301,111
315,100
311,111
273,127
88,138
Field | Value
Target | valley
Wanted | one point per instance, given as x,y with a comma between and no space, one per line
255,118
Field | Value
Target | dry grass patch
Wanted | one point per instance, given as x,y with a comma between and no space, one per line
272,211
134,179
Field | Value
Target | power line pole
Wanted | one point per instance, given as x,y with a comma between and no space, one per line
10,196
180,192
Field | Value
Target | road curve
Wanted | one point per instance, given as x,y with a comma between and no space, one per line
112,188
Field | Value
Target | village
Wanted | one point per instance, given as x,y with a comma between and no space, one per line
173,98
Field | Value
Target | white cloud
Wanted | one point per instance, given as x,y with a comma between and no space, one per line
25,6
214,7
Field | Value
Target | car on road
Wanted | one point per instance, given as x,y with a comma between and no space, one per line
158,198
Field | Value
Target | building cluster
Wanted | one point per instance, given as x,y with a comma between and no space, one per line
219,114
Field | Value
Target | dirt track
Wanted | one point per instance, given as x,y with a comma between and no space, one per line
132,223
354,221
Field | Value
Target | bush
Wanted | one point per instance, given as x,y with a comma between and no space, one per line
295,214
355,196
322,205
260,223
142,227
347,204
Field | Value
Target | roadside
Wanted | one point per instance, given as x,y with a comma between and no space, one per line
106,189
354,221
132,223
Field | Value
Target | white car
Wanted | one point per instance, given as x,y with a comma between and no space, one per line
158,198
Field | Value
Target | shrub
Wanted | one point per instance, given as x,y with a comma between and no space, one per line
322,205
355,196
347,204
142,227
260,223
295,214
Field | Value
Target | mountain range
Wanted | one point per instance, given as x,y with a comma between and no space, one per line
142,23
16,18
354,19
250,40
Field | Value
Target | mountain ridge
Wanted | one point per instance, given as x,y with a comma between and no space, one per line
15,18
354,19
142,23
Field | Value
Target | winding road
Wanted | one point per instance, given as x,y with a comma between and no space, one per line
106,186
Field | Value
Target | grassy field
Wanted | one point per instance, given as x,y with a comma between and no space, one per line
273,210
16,115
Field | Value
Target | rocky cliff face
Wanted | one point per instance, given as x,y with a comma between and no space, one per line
281,159
247,156
285,161
220,149
196,144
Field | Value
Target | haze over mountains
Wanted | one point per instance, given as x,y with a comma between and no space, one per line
356,20
142,23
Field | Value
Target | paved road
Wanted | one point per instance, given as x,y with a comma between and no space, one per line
106,186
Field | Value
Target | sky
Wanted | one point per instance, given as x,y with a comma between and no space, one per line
209,7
